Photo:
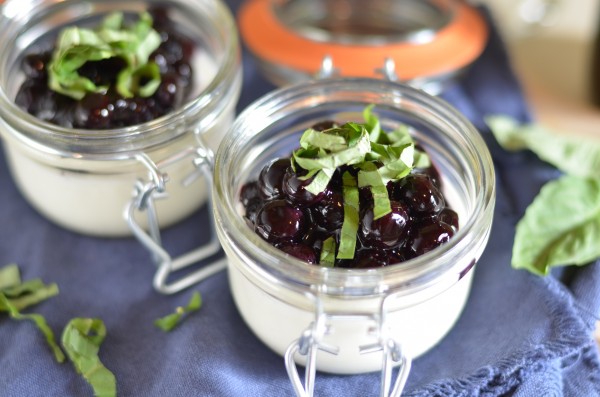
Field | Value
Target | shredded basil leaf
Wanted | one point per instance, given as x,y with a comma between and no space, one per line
29,293
16,295
133,44
372,123
40,322
327,257
9,276
351,217
369,176
378,157
81,339
170,321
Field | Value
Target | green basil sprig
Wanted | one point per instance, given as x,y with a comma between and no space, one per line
562,224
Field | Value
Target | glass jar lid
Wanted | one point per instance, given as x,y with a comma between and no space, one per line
425,40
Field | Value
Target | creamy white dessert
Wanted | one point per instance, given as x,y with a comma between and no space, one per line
278,314
90,196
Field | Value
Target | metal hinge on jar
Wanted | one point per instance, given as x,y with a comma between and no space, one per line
310,342
146,192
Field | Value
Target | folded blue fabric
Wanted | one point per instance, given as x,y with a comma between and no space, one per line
520,335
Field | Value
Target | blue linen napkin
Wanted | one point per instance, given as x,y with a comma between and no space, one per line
520,335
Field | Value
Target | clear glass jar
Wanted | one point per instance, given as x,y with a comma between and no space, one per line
347,318
84,180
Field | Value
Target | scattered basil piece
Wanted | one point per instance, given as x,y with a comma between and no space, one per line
562,225
170,321
9,276
16,295
327,257
351,217
81,339
39,321
133,44
573,155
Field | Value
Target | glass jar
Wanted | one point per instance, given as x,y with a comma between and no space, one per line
85,180
349,320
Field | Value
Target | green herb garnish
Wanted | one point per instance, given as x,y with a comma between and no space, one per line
81,339
170,321
562,224
351,217
376,156
16,296
327,257
133,44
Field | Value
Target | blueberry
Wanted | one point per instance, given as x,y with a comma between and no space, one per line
279,221
387,231
427,235
294,188
449,217
329,212
300,251
270,179
420,193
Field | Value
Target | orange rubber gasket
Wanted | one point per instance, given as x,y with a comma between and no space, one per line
454,46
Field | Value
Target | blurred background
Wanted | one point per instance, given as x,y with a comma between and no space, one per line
554,45
555,49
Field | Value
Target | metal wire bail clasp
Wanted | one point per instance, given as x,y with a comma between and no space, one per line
328,69
310,342
146,192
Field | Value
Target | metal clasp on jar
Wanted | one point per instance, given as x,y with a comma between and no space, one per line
311,341
146,192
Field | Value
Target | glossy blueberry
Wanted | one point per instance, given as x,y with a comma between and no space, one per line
427,235
368,258
294,188
421,195
449,217
280,221
323,125
329,212
387,231
270,179
300,251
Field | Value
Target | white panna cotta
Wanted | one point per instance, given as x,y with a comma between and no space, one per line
278,316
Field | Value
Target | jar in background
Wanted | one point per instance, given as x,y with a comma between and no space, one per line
423,43
84,180
352,320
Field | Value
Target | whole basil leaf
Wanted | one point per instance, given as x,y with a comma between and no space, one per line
574,155
560,227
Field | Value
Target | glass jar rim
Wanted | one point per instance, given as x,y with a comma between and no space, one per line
411,275
114,143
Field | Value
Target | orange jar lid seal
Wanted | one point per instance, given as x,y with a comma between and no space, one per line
454,46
